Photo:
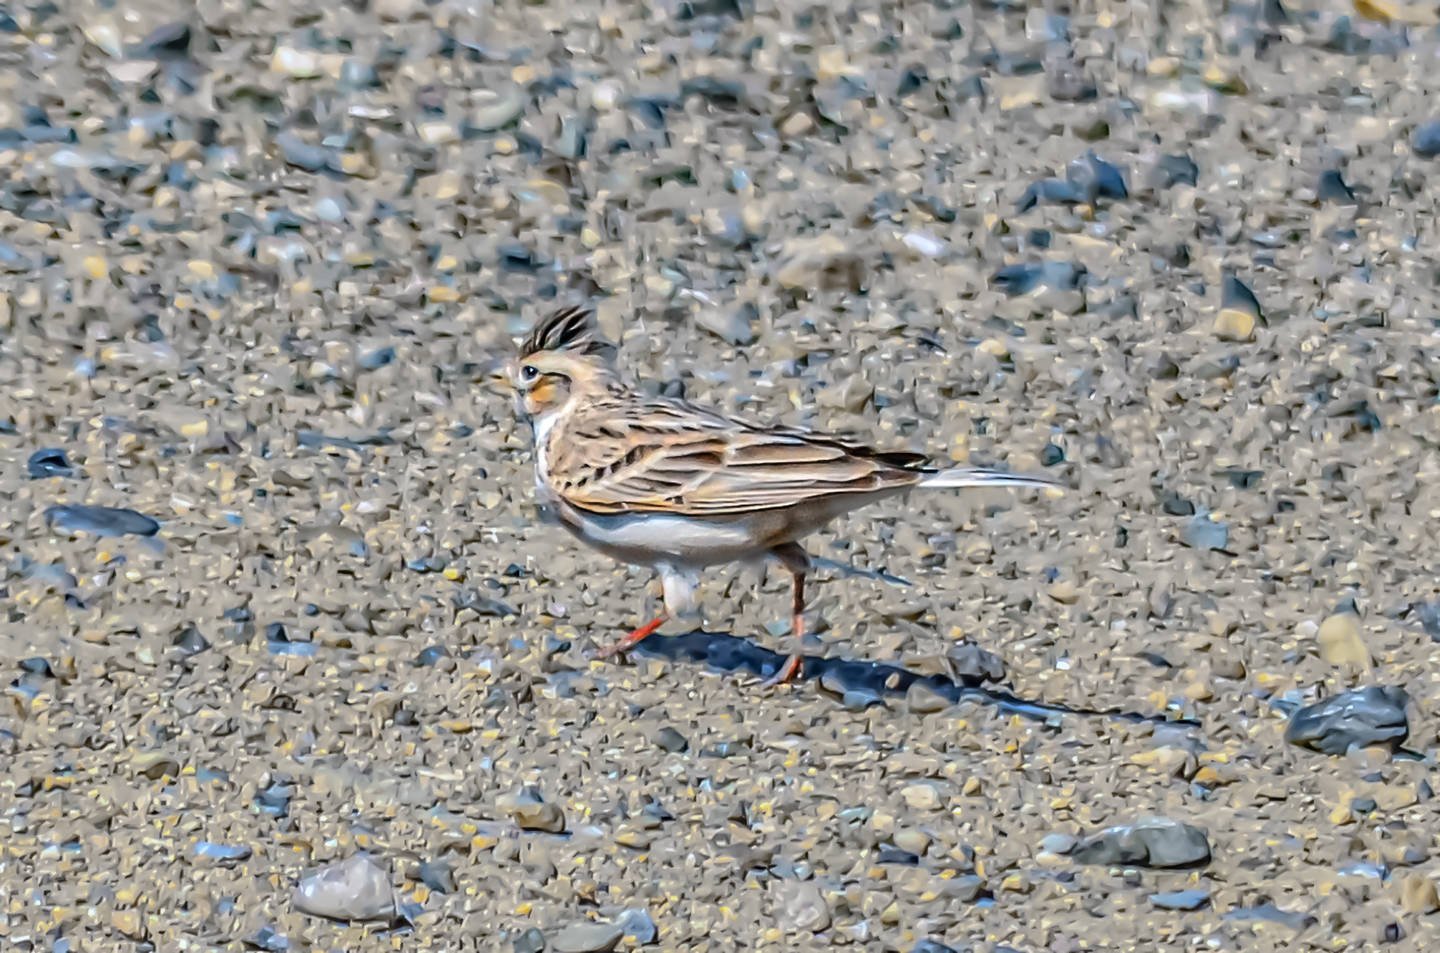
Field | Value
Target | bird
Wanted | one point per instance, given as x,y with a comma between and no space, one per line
665,483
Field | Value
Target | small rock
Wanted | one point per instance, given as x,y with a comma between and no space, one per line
912,841
802,907
531,812
267,940
924,244
104,34
1425,140
100,521
500,111
1173,170
638,926
634,838
1418,894
1058,843
1096,178
1269,913
1181,899
222,853
531,941
668,739
966,888
824,262
1153,842
922,796
190,641
587,936
1333,188
932,946
436,875
1203,533
1340,640
1240,310
1428,615
357,888
303,155
923,699
1366,716
1022,279
155,765
971,663
129,923
296,63
48,462
734,326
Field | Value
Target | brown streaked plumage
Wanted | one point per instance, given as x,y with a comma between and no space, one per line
664,483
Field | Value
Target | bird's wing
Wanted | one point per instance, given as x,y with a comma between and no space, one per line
671,457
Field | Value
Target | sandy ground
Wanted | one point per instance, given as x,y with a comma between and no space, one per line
256,258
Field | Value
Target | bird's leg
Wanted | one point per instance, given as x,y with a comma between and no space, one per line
798,562
634,638
637,636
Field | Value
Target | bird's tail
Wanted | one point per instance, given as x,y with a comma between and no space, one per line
959,477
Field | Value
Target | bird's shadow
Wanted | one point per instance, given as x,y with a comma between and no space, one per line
860,683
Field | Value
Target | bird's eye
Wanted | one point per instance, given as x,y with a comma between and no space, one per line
529,372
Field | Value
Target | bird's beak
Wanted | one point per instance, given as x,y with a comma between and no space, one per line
495,376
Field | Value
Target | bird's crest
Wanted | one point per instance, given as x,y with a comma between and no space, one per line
573,329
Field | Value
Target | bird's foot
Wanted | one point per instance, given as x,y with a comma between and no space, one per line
634,638
787,672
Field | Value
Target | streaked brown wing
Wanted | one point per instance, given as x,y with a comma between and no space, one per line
673,458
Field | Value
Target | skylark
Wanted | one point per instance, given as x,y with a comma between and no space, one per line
663,483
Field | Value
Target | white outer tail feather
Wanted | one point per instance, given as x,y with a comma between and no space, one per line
959,477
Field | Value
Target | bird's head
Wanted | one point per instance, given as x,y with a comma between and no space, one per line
563,357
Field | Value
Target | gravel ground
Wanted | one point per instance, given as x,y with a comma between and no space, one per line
256,264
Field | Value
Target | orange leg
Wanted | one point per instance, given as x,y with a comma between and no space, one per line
634,638
791,668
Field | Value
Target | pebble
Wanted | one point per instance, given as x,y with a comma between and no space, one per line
1270,913
190,641
922,796
638,926
733,325
932,946
1375,715
531,812
1332,188
1152,842
1418,894
47,463
1058,843
437,875
1425,140
268,940
100,521
669,739
586,936
1204,533
501,110
357,888
802,907
304,155
1239,311
1181,899
223,853
972,664
913,841
1341,641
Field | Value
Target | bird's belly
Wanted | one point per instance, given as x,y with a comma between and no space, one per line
649,540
